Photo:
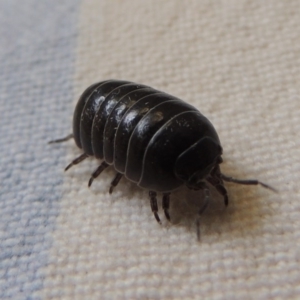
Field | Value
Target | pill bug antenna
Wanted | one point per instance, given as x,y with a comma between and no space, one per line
202,209
247,182
68,137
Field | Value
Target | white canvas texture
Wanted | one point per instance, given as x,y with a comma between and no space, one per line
238,62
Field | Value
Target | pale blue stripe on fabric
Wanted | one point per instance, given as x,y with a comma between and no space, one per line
37,55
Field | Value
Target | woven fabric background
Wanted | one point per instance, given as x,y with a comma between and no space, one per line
238,62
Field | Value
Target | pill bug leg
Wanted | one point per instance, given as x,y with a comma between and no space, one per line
115,182
154,207
203,208
219,186
222,190
68,137
76,161
166,205
216,181
97,172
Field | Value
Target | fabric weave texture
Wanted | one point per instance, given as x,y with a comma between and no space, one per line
238,62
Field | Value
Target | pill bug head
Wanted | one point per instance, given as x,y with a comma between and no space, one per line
196,163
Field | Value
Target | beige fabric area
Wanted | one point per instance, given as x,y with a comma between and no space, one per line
238,62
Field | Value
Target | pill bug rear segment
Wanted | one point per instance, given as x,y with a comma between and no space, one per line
152,138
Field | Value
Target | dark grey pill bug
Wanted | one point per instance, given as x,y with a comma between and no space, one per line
152,138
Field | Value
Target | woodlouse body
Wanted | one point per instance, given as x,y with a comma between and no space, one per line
152,138
138,130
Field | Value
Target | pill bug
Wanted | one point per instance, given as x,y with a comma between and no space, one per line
152,138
